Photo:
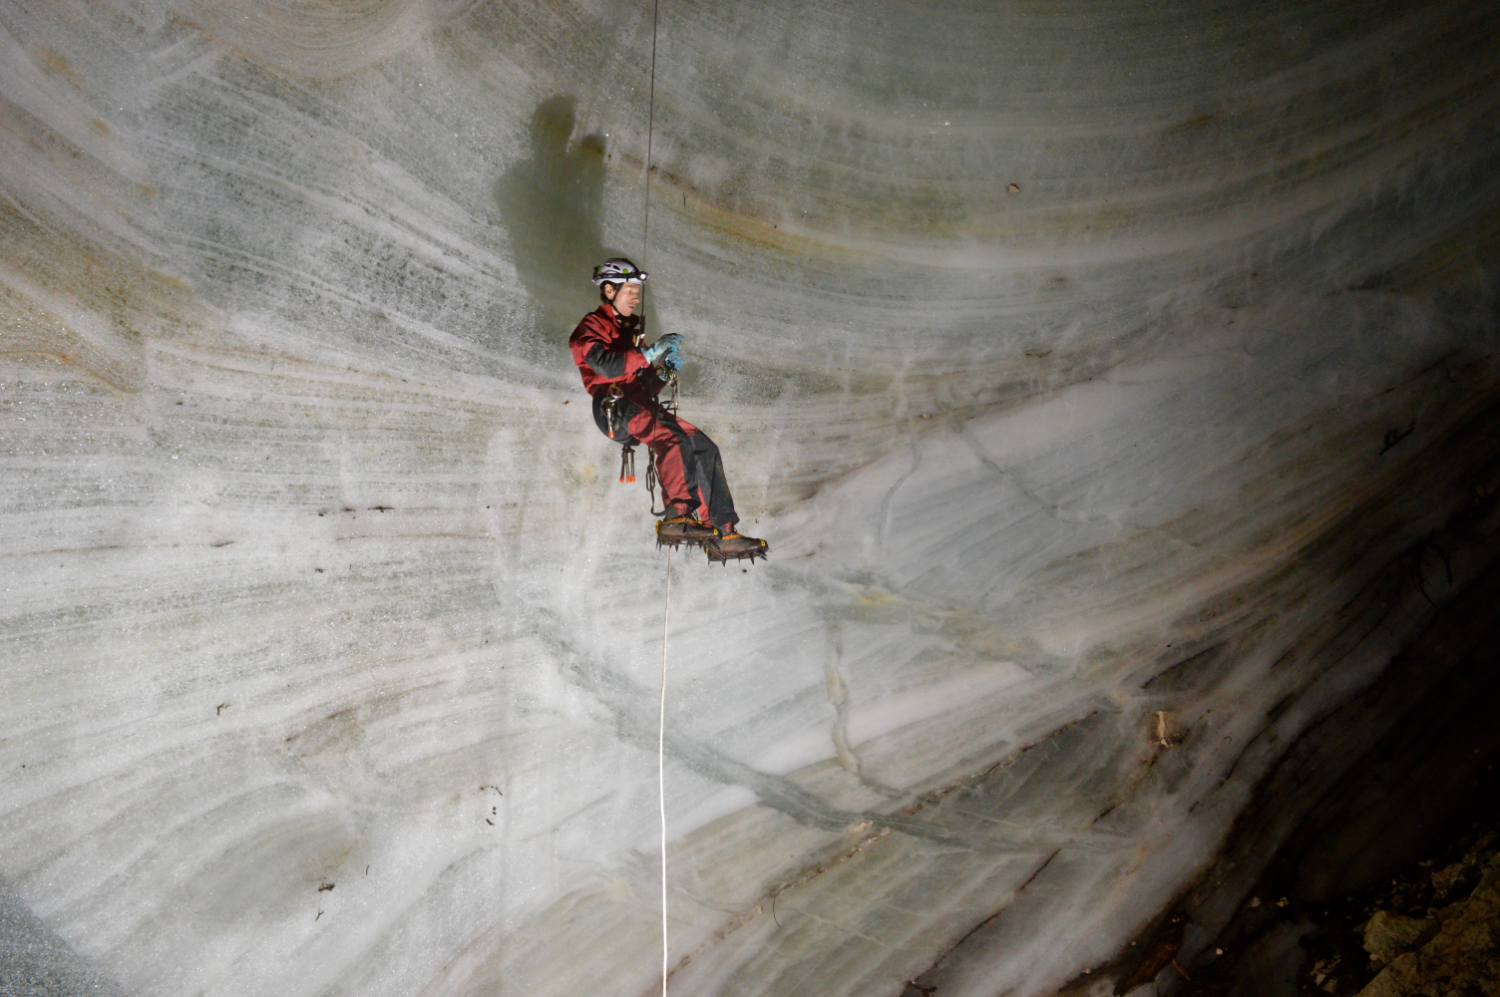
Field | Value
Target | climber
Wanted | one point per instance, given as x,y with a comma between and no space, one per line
624,377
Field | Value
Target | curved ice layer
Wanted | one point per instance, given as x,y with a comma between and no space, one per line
1090,368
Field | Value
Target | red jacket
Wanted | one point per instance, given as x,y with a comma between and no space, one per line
607,351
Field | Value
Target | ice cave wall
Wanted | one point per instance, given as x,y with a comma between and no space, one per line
1110,380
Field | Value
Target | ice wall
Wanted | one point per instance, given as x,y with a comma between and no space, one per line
1094,370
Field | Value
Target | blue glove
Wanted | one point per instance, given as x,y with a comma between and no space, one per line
666,345
672,359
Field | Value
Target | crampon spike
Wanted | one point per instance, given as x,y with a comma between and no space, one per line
678,530
724,557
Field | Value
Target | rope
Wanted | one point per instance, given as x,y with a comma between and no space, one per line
650,122
661,769
666,615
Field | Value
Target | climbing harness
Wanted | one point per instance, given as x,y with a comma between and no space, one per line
652,479
619,430
670,406
614,418
627,475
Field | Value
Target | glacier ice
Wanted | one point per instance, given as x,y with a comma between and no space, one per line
1086,366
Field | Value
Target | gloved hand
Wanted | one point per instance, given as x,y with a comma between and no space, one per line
672,359
670,344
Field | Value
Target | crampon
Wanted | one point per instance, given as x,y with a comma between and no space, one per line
734,547
677,530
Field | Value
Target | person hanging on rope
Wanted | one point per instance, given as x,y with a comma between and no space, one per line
625,377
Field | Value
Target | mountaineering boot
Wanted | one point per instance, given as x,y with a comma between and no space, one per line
679,527
732,546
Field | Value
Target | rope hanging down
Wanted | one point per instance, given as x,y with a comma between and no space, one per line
661,768
666,613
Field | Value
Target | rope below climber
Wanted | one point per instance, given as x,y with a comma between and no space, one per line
624,377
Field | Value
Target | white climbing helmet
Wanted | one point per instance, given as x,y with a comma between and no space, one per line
618,271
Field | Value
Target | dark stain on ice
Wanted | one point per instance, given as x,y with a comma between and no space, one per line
381,508
221,543
325,887
1395,436
1159,953
1192,124
219,710
1038,871
987,921
552,208
1198,672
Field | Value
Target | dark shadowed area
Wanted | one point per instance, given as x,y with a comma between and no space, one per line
551,204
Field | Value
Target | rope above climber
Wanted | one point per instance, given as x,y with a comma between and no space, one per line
625,378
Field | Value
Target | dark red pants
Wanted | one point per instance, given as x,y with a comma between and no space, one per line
688,464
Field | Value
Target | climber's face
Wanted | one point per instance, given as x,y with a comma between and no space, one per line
626,299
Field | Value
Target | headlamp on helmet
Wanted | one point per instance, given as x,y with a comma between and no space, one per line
618,271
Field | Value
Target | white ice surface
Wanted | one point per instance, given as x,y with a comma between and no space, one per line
315,569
